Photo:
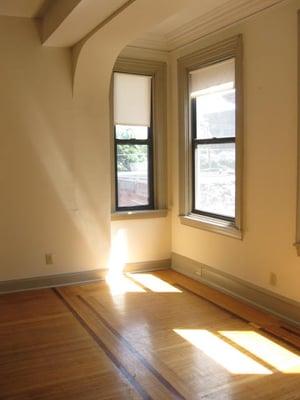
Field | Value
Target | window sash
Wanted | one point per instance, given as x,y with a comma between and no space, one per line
131,142
198,142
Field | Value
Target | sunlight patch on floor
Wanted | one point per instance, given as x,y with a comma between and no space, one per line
272,353
120,284
154,283
222,353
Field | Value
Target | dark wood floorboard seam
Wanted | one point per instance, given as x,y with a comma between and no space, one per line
130,378
143,360
267,329
185,289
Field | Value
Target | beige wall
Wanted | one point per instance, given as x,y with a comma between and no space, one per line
142,240
55,166
269,206
54,163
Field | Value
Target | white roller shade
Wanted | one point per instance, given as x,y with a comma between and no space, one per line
221,74
132,99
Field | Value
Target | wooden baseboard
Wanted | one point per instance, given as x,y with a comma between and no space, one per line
40,282
283,308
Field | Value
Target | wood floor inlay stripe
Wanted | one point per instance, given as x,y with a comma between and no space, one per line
157,374
266,322
130,378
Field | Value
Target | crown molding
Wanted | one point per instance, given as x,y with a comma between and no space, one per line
232,12
229,13
152,41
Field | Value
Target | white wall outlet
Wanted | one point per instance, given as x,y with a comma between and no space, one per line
273,279
49,258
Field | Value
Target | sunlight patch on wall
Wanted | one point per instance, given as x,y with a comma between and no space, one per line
118,254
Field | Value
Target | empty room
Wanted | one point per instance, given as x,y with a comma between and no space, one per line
150,199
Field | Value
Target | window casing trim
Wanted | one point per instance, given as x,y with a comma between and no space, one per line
157,70
222,51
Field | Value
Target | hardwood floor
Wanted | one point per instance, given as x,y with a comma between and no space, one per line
144,336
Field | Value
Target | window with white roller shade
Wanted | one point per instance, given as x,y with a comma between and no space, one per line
133,142
213,122
210,92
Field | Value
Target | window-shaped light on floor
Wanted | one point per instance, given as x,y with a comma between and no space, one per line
270,352
222,353
154,283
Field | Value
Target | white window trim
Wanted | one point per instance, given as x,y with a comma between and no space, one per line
158,71
229,48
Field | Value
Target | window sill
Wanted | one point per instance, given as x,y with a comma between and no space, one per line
120,215
211,224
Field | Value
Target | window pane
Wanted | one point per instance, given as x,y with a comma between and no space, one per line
213,88
215,179
132,175
131,132
216,114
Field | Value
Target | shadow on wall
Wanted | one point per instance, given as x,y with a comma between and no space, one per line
55,167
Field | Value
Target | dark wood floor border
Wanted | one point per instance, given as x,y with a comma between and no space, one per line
190,291
130,378
176,394
282,333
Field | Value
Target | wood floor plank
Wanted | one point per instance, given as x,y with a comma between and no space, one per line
144,378
53,357
259,318
147,320
145,336
164,374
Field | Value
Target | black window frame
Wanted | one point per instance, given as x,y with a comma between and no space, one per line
149,143
198,142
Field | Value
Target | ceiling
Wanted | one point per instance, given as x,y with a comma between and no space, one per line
196,8
22,8
199,19
65,22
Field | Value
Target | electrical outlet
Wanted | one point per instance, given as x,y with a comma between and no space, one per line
273,279
48,258
201,272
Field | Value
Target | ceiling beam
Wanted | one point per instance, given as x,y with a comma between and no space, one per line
66,22
56,20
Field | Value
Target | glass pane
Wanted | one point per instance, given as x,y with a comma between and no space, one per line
131,132
213,89
215,179
215,114
132,175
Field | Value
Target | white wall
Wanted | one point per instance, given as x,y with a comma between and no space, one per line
54,162
269,206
